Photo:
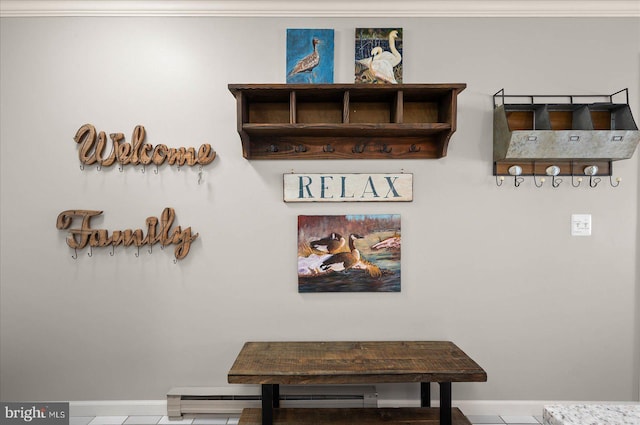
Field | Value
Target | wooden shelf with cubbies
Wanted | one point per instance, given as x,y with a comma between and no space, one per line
345,121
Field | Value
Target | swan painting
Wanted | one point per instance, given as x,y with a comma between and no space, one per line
363,260
309,56
378,55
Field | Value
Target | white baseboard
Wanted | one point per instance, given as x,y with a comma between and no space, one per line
468,407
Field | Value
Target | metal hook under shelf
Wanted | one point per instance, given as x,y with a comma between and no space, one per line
113,250
90,253
328,148
535,181
499,180
358,148
618,180
300,148
414,148
75,252
593,181
385,148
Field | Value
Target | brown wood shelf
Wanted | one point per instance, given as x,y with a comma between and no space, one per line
350,416
345,121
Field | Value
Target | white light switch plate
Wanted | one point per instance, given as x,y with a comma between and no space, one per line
580,224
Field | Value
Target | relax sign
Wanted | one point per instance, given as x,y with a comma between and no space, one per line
348,187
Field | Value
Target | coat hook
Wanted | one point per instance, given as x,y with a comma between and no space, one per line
385,149
618,180
358,148
593,181
175,260
137,254
535,181
143,168
82,166
328,148
272,148
573,181
555,182
156,170
121,167
499,180
414,148
90,253
99,167
300,148
113,250
75,252
150,250
517,181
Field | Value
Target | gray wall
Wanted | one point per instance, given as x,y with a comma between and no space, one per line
549,316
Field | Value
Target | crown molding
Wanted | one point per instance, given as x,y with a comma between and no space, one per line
326,8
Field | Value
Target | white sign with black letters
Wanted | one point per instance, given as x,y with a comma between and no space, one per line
348,187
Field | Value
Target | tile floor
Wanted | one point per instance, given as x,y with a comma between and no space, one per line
227,420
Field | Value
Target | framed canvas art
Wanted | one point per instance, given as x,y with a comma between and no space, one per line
349,253
378,55
310,56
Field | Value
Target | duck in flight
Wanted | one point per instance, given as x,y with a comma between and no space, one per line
343,260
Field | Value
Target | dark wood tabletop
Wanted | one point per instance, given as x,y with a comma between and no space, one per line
353,363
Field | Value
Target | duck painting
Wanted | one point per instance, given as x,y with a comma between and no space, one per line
309,56
331,244
329,262
378,55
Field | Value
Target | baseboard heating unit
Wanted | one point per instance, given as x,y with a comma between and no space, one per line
200,400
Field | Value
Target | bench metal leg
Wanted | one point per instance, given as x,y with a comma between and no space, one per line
425,394
267,404
445,403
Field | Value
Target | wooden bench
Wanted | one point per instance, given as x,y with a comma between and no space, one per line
271,364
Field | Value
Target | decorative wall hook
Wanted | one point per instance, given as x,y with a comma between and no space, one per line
358,148
499,180
99,167
542,180
385,149
593,181
516,172
156,170
618,180
573,181
81,166
113,250
143,169
137,254
414,148
328,148
90,253
300,148
121,167
272,148
75,254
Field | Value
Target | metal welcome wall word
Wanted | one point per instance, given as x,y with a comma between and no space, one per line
348,187
93,145
80,237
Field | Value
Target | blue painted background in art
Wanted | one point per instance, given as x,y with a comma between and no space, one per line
299,45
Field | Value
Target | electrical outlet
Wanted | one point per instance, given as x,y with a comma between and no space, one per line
580,224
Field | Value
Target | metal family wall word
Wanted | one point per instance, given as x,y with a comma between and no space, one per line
80,237
348,187
93,145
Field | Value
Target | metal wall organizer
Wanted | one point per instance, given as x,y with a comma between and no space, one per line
548,136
